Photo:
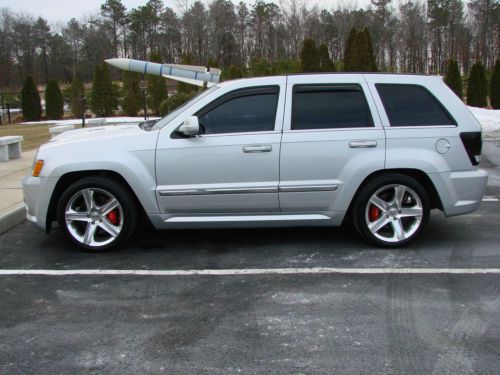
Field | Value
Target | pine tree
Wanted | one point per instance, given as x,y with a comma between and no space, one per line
309,61
325,63
30,101
477,90
132,97
54,102
371,64
495,86
75,97
453,79
348,49
359,55
103,98
157,88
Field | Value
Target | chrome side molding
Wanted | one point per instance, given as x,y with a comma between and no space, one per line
256,190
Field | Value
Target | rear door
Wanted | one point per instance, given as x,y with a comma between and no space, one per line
332,140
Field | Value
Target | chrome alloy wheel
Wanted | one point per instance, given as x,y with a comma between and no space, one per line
94,217
394,213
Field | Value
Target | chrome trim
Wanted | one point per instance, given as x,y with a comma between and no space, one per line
215,191
307,188
257,148
291,131
363,144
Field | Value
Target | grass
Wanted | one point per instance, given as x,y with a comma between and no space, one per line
34,135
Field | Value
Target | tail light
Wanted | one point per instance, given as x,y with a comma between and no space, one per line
473,145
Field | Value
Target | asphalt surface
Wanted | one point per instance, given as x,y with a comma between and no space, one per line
309,323
268,323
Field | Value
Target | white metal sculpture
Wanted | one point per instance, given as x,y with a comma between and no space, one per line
195,75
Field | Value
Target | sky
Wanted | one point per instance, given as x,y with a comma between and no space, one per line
63,10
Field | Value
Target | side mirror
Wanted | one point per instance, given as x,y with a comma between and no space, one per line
190,127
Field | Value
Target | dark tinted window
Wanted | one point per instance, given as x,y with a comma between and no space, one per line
329,107
244,111
409,105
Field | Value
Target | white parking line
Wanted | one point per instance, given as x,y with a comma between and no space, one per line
490,199
256,271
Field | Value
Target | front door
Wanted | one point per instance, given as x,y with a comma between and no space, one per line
233,166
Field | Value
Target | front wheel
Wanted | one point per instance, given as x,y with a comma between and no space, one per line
97,213
391,210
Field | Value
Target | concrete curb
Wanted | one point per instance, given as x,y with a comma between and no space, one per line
12,218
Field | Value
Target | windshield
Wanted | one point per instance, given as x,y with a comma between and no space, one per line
189,103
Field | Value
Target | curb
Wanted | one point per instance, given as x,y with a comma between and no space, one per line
12,218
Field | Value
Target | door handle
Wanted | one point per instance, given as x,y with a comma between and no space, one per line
362,144
257,148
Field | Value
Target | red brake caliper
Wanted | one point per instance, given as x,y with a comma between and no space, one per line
374,213
113,218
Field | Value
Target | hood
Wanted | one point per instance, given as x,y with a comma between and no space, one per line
96,132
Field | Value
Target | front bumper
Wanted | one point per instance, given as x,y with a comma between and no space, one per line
460,192
37,193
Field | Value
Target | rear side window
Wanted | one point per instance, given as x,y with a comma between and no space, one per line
412,105
248,110
329,107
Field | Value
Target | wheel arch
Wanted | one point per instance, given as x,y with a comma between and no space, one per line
416,174
69,178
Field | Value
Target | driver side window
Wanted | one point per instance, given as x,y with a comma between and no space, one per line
248,110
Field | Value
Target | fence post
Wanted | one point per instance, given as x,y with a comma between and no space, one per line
83,110
3,109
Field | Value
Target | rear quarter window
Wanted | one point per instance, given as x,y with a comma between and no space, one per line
412,105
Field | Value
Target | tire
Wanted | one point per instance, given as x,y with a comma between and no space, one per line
391,210
97,213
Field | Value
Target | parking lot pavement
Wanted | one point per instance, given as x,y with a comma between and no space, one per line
334,322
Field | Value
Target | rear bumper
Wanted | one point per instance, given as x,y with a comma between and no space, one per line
37,192
460,192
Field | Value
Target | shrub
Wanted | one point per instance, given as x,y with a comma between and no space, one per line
54,102
325,63
75,97
30,101
477,90
309,60
495,86
453,78
103,97
132,96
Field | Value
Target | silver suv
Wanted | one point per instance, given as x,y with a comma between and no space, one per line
298,150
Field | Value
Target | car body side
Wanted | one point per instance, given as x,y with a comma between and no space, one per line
316,159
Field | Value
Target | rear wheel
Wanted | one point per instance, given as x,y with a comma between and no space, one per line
391,210
97,213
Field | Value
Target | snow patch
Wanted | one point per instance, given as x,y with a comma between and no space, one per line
489,120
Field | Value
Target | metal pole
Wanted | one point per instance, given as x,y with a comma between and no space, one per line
83,110
8,112
143,86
